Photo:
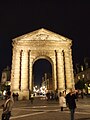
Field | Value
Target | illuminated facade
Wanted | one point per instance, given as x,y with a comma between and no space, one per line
41,44
47,81
84,76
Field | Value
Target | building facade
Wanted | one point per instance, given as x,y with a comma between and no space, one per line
84,76
47,82
41,44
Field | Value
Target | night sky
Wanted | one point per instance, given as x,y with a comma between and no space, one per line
69,19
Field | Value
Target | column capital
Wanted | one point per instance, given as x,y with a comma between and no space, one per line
59,51
67,49
15,49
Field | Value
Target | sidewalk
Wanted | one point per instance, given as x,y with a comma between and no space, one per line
43,102
39,101
85,100
36,102
43,109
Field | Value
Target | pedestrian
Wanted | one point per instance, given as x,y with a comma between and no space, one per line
32,98
82,94
17,96
48,96
14,96
71,102
7,106
77,94
62,101
56,96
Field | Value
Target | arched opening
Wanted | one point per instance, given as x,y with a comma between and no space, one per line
42,76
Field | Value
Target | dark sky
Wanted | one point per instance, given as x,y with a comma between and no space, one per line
70,19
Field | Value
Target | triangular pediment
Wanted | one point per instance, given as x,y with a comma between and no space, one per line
41,34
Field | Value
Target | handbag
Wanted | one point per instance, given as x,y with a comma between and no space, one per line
6,115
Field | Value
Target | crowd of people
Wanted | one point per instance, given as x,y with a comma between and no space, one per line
64,99
52,96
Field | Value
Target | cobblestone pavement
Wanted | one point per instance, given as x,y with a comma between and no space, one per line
42,109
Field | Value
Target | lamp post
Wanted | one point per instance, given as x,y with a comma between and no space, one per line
83,84
83,76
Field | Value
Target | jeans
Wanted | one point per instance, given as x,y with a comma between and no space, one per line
72,113
6,116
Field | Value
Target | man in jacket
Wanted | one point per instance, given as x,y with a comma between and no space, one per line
71,102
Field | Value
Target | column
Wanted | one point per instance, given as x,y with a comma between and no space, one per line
24,71
71,66
15,76
68,68
12,69
60,71
54,72
30,72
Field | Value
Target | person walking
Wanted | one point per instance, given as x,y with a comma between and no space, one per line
62,101
32,98
7,106
71,102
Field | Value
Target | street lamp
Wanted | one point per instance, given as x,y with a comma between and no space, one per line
83,80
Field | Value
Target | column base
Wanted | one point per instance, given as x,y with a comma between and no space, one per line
23,95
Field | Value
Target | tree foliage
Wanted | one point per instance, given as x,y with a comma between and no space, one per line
80,85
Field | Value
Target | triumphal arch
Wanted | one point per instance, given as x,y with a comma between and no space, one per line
41,44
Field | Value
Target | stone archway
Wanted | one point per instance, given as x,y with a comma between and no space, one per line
41,43
42,73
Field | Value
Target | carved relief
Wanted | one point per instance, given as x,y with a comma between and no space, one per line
42,34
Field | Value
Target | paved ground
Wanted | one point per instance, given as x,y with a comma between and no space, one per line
48,110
